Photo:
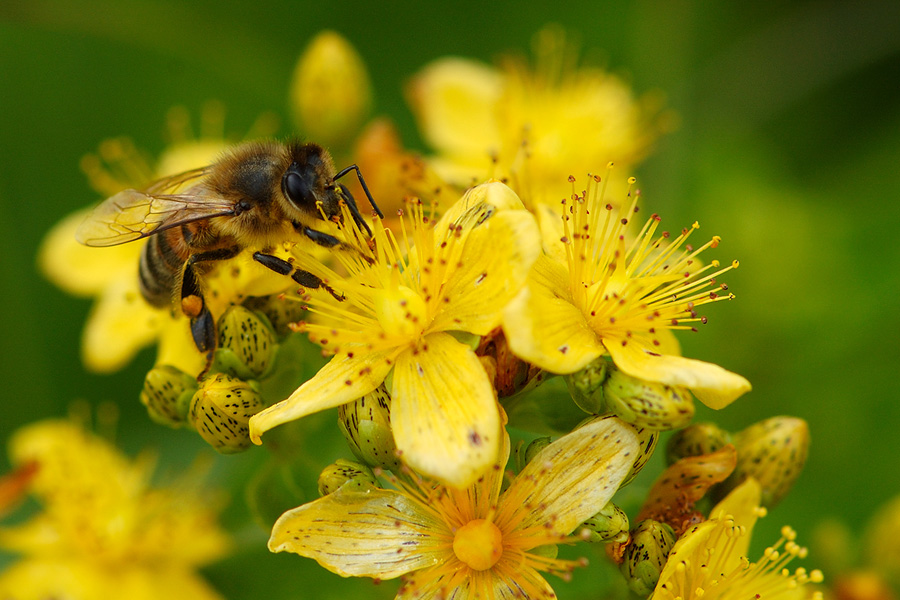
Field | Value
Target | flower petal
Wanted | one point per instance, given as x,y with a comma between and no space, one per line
570,480
714,386
376,533
444,412
496,259
343,379
478,201
742,503
544,328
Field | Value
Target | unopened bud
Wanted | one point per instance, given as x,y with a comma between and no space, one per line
247,344
366,425
221,410
647,438
646,403
280,311
167,395
330,91
646,555
773,452
696,440
347,474
526,452
586,387
608,525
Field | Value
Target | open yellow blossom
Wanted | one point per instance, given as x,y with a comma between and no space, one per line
104,532
619,293
530,125
710,560
467,543
399,316
121,321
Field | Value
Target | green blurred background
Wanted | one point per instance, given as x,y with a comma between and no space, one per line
789,147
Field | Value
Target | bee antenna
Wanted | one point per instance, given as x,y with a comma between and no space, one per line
365,188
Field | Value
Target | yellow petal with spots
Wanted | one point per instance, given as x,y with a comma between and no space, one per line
376,533
495,262
343,379
714,386
573,478
443,411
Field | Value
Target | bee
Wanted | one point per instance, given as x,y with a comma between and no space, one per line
255,196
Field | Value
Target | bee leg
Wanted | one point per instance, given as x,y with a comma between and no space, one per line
193,305
304,278
322,239
365,188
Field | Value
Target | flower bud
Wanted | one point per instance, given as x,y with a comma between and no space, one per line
773,452
221,410
280,312
646,403
247,344
330,91
696,440
646,556
608,525
586,387
348,474
648,438
525,453
366,425
167,395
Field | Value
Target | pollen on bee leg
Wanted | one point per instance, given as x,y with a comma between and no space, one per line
192,305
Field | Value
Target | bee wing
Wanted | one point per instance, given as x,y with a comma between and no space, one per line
131,215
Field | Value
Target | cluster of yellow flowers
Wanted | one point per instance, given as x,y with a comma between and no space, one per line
494,271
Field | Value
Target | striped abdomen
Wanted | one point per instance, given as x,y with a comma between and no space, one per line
160,268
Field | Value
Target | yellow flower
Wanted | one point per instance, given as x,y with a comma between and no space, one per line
104,532
467,543
710,560
121,321
532,126
619,293
399,317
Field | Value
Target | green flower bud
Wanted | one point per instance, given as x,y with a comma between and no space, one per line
366,425
247,344
646,555
608,525
648,439
646,403
348,474
221,410
773,452
167,395
280,312
696,440
525,452
586,387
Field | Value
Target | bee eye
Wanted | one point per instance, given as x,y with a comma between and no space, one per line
296,189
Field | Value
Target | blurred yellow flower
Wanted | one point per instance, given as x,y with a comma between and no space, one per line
710,560
399,316
121,321
531,126
610,291
468,543
104,532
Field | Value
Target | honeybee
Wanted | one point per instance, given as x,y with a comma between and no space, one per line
256,195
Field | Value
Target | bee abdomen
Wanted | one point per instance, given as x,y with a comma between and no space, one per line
158,271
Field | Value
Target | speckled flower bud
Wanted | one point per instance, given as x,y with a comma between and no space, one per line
646,555
648,438
346,473
366,425
608,525
646,403
586,387
773,452
525,452
221,410
167,395
247,344
280,311
696,440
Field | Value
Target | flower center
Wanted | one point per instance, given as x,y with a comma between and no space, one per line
400,311
479,544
